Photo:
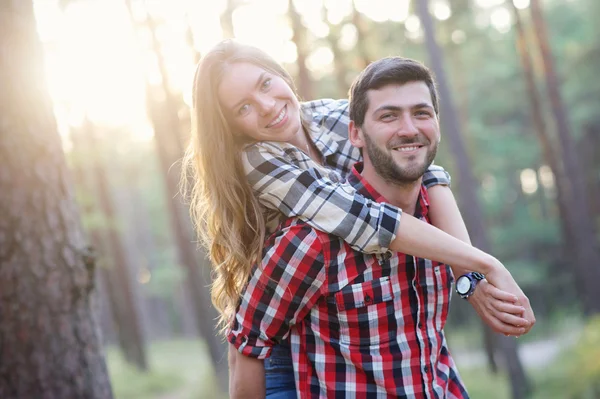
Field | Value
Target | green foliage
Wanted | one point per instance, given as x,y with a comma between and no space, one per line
576,374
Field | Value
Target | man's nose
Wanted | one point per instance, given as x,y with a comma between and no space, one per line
265,105
406,126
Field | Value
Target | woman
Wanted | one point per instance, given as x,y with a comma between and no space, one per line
257,155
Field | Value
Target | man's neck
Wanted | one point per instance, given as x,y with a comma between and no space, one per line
401,195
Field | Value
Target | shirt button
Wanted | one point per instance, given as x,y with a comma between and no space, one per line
367,298
420,325
426,369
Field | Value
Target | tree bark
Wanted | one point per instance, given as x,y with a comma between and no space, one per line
468,195
584,232
49,338
167,134
118,269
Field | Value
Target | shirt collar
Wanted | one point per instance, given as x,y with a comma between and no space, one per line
363,187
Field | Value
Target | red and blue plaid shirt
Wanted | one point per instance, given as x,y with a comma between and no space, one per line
360,325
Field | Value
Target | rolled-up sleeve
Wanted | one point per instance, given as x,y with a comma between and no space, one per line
282,289
324,202
436,175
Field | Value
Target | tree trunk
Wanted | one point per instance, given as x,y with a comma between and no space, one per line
49,339
539,126
106,289
167,134
305,88
361,39
468,195
227,20
585,236
118,268
340,72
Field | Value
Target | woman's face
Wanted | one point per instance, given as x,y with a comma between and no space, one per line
259,104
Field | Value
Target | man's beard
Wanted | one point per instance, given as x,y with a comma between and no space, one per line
389,170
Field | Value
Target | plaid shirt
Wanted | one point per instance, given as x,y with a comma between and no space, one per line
365,325
289,184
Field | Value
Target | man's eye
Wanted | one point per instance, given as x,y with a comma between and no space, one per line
244,109
387,116
266,84
423,113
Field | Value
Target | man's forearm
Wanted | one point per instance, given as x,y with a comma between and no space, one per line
246,376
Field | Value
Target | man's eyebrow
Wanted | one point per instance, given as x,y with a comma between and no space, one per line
388,108
396,108
258,82
422,105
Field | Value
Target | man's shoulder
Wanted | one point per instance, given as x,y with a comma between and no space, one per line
295,231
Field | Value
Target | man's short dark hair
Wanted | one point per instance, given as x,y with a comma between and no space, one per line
387,71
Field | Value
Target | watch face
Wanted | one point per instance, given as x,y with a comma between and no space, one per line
463,285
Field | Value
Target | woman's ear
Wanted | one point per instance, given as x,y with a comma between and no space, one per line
355,135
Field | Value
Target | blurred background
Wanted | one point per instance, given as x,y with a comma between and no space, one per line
521,137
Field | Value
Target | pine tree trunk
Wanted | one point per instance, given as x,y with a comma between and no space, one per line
541,132
227,19
49,339
468,195
118,267
305,88
584,234
340,72
361,37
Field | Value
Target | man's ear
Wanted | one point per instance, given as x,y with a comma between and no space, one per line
355,135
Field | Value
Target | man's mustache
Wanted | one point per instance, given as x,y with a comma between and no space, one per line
418,140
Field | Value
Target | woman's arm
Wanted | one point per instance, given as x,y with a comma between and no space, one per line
246,376
496,308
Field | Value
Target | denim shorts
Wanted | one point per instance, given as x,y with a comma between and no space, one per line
279,373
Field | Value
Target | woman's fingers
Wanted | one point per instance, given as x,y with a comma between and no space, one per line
508,308
501,295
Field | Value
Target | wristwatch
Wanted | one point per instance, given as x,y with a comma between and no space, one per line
465,284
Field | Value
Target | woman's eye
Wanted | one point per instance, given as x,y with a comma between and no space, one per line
244,109
266,84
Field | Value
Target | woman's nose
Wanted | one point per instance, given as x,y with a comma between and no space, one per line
266,105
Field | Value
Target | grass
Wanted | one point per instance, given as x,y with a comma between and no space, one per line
182,370
178,370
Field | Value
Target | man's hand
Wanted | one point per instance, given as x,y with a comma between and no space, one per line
499,310
501,279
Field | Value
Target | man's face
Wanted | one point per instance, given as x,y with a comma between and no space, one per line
401,132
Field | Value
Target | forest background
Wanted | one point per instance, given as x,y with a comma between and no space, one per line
95,110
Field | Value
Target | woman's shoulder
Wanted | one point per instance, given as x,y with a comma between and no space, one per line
326,108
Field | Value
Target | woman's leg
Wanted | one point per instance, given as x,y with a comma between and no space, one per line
279,373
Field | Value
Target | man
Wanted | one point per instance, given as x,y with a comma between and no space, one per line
363,325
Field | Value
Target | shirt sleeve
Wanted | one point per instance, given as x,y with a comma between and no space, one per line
436,175
324,202
281,290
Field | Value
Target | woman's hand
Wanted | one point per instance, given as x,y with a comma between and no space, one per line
501,279
498,309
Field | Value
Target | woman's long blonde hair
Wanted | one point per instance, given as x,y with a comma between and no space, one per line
226,215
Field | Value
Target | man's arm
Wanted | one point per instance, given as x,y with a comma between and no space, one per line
281,290
246,376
